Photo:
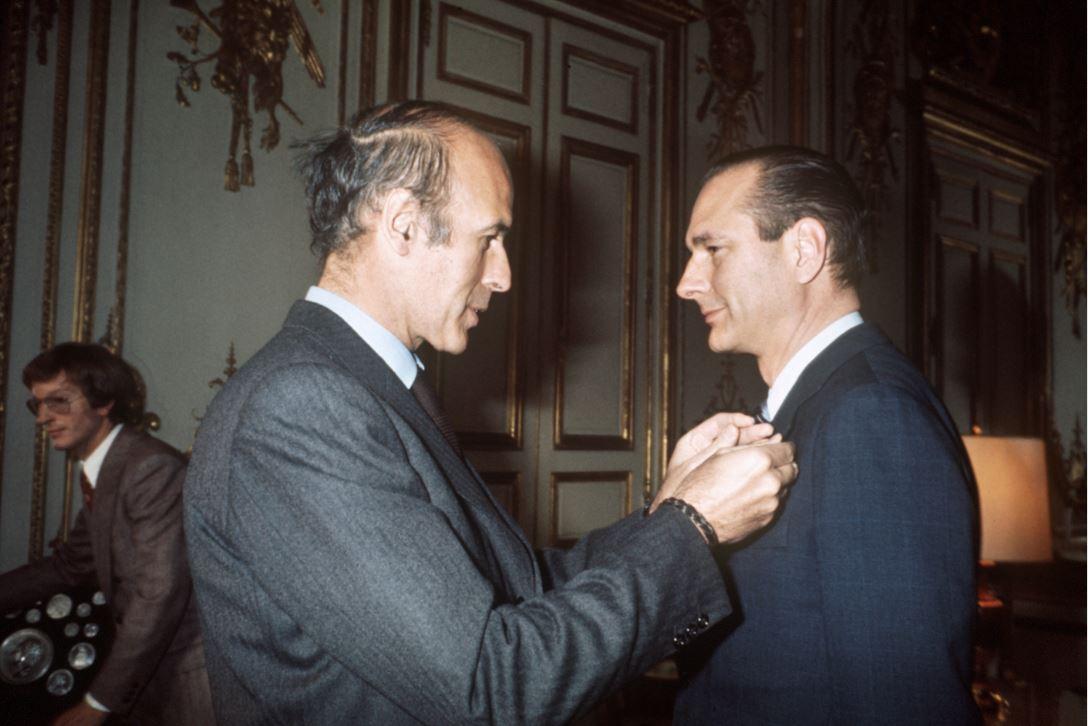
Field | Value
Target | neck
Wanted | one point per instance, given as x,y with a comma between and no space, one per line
95,441
371,293
801,329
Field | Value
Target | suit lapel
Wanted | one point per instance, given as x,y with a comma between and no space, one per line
346,347
820,369
104,511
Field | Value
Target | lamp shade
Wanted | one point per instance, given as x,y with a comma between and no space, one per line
1013,498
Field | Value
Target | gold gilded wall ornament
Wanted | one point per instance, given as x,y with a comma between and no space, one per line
734,88
253,36
873,43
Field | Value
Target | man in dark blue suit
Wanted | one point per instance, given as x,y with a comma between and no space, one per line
856,605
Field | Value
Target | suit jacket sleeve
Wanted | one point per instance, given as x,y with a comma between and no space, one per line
560,565
158,588
72,564
340,529
895,539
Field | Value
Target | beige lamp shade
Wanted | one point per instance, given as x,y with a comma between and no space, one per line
1013,497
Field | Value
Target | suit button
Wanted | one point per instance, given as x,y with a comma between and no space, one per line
703,621
691,630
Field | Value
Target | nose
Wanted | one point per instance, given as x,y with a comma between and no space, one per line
692,282
497,269
43,414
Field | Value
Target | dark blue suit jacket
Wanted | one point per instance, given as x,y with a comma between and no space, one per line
856,606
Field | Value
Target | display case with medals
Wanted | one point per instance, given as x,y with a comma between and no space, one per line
50,652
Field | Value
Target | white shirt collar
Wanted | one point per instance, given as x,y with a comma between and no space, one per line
92,465
403,362
800,360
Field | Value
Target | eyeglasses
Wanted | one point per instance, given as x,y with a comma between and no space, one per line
56,404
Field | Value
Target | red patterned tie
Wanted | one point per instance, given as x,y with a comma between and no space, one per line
88,490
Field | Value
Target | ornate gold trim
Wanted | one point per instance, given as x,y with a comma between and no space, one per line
115,332
977,139
560,477
734,88
873,42
624,440
51,264
253,38
91,182
13,74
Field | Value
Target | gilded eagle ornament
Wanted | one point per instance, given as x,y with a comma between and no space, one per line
253,36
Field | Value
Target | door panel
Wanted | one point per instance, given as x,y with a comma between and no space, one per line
546,399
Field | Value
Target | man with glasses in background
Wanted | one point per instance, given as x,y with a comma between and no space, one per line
127,541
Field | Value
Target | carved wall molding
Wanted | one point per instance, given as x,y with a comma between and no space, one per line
1068,472
873,42
735,89
253,37
1070,190
13,76
728,396
51,252
115,327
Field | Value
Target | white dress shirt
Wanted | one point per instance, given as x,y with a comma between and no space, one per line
782,385
93,463
403,362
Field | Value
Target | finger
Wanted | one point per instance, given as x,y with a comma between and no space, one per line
787,474
728,438
755,432
780,452
719,421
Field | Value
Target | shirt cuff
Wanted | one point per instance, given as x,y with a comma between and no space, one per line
93,703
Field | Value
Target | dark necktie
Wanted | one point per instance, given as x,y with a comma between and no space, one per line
428,399
757,414
88,490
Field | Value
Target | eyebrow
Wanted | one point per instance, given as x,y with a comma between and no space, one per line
701,240
496,228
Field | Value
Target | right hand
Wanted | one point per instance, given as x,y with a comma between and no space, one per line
739,490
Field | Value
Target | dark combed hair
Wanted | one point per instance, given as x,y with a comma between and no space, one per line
394,146
794,183
101,376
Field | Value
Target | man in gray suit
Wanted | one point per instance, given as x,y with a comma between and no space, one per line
350,565
127,541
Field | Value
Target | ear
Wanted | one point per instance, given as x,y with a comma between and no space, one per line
399,221
104,411
807,249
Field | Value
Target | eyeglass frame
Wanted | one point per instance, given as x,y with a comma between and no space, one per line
55,404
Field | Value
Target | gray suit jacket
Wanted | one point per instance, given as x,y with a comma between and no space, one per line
351,568
130,546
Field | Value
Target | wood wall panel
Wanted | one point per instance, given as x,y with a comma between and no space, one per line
594,375
958,376
1008,389
957,199
586,500
484,54
488,413
600,89
1007,215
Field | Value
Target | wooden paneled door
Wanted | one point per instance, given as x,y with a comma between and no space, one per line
554,397
985,338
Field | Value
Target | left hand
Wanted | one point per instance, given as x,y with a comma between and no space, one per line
81,714
720,431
